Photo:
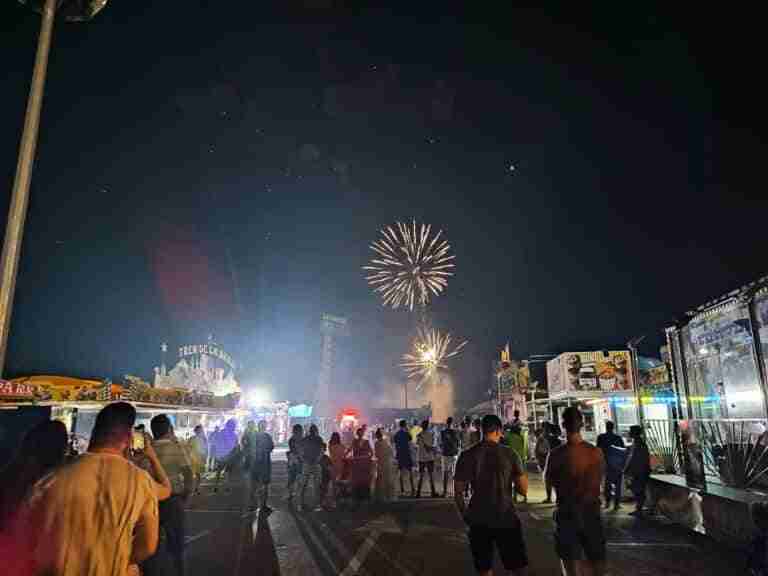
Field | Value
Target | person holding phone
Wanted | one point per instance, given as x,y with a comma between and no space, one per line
99,513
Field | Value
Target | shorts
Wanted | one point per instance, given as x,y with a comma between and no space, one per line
509,541
449,464
429,466
579,534
405,462
261,472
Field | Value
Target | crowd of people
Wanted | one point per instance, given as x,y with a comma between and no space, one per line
353,466
119,508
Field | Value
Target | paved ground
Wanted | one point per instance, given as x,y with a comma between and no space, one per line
413,537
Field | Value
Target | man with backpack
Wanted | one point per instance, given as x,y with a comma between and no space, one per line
449,446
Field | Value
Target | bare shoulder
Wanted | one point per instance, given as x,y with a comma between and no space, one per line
594,452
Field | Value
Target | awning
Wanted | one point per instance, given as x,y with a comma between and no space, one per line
300,411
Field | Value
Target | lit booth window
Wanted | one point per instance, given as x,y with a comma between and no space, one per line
723,379
600,383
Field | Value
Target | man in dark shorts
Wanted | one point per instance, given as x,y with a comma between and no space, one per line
576,470
612,446
449,447
404,456
258,446
495,473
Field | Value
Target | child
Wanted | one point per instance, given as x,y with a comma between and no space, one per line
757,562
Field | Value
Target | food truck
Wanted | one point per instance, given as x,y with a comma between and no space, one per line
601,383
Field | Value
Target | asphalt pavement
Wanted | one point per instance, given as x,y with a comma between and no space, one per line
412,537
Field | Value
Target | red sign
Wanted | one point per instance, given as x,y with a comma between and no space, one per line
16,390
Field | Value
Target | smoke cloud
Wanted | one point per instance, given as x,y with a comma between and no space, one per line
438,392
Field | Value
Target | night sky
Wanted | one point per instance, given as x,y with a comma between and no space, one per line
203,169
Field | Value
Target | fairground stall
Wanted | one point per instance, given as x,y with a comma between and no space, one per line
715,445
76,402
539,408
601,383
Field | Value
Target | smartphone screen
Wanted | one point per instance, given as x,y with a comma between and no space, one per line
138,441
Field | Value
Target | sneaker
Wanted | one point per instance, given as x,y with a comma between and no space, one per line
547,501
636,513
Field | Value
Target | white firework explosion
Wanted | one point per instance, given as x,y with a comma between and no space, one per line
431,351
410,265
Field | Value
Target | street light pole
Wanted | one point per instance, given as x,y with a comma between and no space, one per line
635,367
14,228
76,11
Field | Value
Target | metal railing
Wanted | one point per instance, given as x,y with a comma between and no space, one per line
664,446
734,451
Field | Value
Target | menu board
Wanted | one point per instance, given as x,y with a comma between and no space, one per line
585,372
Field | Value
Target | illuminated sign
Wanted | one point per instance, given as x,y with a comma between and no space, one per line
17,389
209,350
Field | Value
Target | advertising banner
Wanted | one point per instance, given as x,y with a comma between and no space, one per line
582,373
656,380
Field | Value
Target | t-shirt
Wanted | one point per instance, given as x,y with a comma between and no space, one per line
519,443
200,445
466,438
426,443
174,460
294,450
639,460
576,472
614,459
225,443
258,447
492,470
337,454
402,442
608,439
87,512
312,448
449,442
415,431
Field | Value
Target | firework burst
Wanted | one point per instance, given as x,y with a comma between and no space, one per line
410,265
431,350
